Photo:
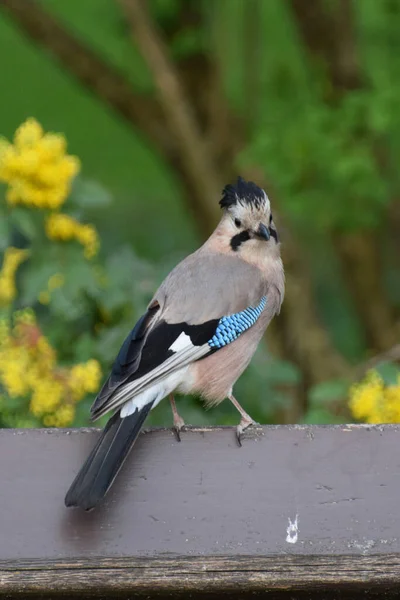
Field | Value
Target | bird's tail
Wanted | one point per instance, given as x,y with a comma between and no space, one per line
107,457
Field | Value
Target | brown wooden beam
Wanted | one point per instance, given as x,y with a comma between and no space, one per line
297,510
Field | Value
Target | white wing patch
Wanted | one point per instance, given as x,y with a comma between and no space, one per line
154,393
181,343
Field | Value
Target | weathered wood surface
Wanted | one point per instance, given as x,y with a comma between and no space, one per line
297,511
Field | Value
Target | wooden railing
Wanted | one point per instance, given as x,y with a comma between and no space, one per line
298,511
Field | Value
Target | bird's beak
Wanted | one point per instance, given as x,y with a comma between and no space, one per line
263,232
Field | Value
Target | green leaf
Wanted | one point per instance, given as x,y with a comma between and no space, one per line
14,404
83,348
80,277
66,305
328,391
109,342
282,372
4,230
25,222
321,416
35,280
389,372
89,194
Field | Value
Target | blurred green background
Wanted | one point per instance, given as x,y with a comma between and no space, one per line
166,101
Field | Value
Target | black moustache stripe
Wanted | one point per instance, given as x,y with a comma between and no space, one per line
238,239
274,234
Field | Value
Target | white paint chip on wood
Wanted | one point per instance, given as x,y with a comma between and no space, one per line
292,530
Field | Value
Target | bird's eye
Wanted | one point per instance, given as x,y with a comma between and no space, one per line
238,222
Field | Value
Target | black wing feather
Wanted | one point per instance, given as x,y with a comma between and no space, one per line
128,358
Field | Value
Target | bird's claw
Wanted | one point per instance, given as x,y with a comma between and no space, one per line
243,425
178,433
179,424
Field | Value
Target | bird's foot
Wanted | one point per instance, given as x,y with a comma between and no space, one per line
179,424
244,424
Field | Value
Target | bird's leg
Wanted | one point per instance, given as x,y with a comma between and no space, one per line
178,421
245,421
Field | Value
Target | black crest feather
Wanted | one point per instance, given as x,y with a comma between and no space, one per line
244,192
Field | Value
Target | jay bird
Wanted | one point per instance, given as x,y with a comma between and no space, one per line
198,335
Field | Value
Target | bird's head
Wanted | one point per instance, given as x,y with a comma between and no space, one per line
247,217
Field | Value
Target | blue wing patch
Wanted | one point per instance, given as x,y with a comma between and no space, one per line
229,328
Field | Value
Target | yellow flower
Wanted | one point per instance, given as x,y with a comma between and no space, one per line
60,226
12,196
12,371
55,281
46,396
84,378
4,147
26,316
36,167
28,134
373,402
89,239
13,257
45,353
44,297
69,167
62,418
65,415
54,145
4,332
29,370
